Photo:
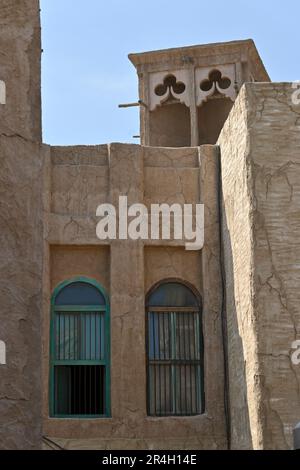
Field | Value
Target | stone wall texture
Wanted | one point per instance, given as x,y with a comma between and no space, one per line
260,146
76,181
21,225
48,201
21,262
20,68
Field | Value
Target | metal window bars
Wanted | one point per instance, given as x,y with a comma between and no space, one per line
175,370
80,351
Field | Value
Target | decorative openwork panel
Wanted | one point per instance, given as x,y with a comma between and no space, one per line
169,86
215,81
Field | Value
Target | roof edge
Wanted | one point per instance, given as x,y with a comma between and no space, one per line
201,50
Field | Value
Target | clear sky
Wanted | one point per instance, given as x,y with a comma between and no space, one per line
86,73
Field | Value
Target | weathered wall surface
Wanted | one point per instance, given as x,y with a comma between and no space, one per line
76,181
174,125
71,261
21,261
170,126
260,146
21,225
20,68
237,244
48,201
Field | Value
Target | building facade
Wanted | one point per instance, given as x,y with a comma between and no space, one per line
142,344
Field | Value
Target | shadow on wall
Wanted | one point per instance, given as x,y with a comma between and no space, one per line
240,433
170,126
212,115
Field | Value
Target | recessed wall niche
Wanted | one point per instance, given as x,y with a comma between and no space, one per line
216,95
212,115
170,126
169,118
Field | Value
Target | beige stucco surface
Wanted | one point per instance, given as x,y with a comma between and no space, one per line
260,146
127,270
21,262
168,123
20,68
21,225
48,201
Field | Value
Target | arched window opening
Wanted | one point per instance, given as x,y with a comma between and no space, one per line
80,351
174,350
212,116
170,125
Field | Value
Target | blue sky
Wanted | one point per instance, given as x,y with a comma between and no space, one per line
86,73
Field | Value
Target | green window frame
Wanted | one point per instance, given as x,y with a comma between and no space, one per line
90,360
175,350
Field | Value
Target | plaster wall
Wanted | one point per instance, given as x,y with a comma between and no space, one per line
260,176
21,225
170,126
21,266
128,269
20,68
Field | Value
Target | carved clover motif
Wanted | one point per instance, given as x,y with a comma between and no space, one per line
171,86
215,82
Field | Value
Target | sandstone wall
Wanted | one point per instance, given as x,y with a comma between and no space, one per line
76,181
21,225
20,68
260,146
21,261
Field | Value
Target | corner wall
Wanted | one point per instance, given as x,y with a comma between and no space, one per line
21,225
21,262
260,146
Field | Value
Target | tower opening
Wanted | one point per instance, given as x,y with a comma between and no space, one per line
212,115
170,125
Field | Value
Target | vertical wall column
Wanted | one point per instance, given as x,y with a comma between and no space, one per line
260,145
21,225
144,110
21,262
245,375
193,109
212,290
127,294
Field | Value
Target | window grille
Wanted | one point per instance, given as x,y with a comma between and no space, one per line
80,351
174,351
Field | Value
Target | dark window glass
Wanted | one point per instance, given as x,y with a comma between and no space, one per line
79,293
175,353
80,352
80,336
173,294
79,390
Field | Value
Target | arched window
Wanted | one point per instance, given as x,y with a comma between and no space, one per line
80,350
174,350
